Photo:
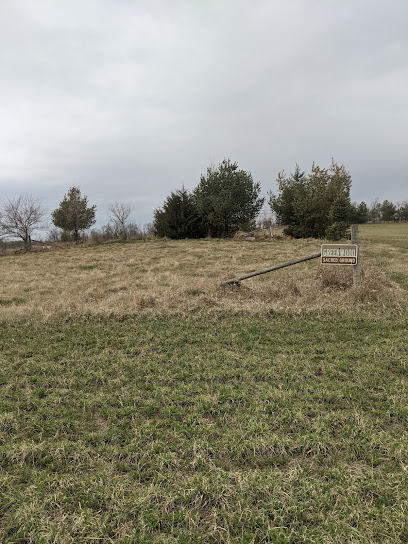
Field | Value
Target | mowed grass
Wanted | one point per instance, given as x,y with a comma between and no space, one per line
286,429
218,423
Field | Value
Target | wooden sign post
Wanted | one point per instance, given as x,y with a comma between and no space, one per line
356,267
344,254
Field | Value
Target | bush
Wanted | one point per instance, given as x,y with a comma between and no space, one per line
309,204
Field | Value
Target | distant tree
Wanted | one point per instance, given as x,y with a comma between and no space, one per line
119,213
106,233
147,230
178,218
374,212
359,213
389,211
264,220
74,215
133,230
20,217
403,211
314,205
54,235
227,199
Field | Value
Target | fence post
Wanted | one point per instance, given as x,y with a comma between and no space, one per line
356,267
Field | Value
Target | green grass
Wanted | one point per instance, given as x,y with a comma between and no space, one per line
281,429
286,426
13,301
392,234
401,279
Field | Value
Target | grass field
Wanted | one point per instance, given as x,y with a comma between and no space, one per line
183,277
140,402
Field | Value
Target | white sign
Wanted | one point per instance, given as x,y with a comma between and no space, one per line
339,254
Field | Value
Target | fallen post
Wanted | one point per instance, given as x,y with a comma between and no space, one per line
236,281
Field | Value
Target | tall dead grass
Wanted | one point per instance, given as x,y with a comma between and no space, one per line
165,277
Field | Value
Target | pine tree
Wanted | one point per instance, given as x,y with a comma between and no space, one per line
227,199
389,211
179,217
73,215
309,204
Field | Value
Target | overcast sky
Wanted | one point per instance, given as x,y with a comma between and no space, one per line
130,99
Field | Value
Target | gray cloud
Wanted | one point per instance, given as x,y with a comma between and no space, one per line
131,99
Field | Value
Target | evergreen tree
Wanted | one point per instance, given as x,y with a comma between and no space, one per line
389,211
73,215
309,205
292,190
227,199
359,213
179,217
339,216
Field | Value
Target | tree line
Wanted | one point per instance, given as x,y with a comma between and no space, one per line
21,216
227,199
318,204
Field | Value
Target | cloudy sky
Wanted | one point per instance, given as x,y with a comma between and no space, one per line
130,99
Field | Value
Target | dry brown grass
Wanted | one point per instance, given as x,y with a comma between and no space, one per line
167,277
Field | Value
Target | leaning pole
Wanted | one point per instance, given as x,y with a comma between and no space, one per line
237,280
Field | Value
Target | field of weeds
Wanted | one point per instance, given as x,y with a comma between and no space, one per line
182,277
140,402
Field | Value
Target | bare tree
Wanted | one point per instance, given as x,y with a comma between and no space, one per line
374,212
20,217
119,213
